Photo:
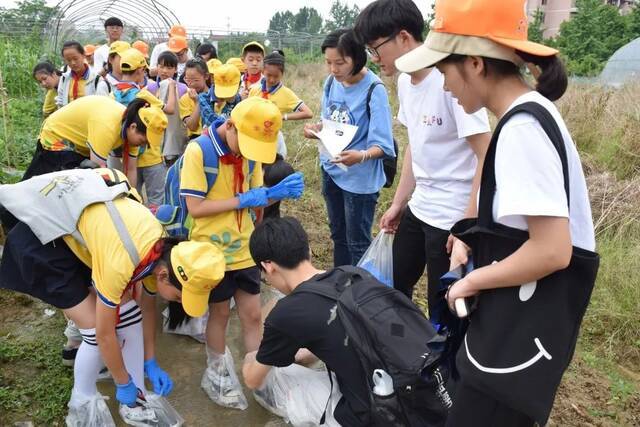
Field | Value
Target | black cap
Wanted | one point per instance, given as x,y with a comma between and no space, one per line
113,22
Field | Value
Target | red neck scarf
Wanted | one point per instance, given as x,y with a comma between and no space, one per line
141,271
250,79
238,179
76,81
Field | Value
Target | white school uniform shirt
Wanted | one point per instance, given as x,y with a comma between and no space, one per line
529,180
443,162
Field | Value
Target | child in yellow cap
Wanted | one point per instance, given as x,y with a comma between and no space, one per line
221,215
93,126
271,87
533,241
223,94
151,168
119,248
252,57
114,73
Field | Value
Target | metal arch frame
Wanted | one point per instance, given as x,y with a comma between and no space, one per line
151,16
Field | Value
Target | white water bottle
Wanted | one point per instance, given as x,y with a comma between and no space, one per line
383,383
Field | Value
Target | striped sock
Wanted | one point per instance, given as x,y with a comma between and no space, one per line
86,368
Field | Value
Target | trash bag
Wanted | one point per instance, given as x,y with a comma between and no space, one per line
91,413
299,395
165,413
194,327
378,259
220,381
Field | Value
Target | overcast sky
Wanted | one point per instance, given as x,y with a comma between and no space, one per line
241,14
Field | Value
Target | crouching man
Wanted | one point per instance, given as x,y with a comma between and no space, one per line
280,247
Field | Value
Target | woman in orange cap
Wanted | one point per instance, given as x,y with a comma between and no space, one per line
533,241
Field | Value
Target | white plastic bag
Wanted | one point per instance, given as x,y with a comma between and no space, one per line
220,381
194,327
378,259
91,413
165,413
299,395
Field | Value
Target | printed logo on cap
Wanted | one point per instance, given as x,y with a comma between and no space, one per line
182,273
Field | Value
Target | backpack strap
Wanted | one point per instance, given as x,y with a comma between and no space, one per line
210,160
488,183
125,237
369,94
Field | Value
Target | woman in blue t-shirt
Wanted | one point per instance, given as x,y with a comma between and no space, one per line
351,195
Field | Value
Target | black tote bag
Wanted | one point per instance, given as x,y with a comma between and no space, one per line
521,339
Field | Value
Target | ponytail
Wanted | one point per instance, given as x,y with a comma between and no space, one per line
552,81
131,115
177,315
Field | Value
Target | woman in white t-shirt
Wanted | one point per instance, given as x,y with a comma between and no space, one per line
533,241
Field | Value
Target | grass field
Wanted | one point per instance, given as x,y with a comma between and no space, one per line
602,386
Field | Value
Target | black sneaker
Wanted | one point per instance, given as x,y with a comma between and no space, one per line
69,356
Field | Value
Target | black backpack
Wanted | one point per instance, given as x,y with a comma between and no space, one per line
389,332
389,164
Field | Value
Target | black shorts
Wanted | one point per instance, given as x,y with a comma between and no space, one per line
46,161
51,272
247,279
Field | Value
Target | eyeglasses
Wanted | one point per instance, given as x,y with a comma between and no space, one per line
373,50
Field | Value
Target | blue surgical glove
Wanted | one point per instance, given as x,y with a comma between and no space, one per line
161,381
291,187
254,198
127,393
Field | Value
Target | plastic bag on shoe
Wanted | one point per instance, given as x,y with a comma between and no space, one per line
165,413
221,383
378,259
194,327
299,395
91,413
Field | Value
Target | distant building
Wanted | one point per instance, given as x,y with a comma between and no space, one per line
555,12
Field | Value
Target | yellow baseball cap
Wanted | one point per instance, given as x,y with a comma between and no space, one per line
153,117
227,81
258,122
132,59
142,47
177,44
199,267
255,44
178,30
238,63
118,47
212,64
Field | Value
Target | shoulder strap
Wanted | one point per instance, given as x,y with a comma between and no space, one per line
327,87
125,237
210,160
369,94
252,165
488,183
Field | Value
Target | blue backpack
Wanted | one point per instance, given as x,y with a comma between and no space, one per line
173,214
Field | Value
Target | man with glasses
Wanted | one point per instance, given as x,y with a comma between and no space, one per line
442,165
181,49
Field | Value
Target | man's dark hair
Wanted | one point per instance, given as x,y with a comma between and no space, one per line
348,46
207,49
384,18
280,240
113,22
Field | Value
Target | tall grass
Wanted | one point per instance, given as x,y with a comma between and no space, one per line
17,59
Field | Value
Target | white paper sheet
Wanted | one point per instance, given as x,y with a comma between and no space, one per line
334,138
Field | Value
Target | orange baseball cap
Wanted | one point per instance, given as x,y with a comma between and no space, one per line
142,47
258,122
178,30
177,44
489,28
89,50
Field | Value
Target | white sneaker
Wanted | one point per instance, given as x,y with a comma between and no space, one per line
93,412
139,416
223,387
